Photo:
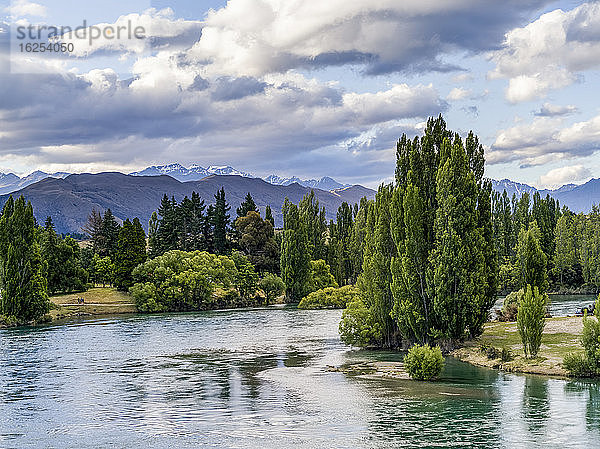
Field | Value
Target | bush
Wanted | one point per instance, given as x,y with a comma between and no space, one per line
329,298
358,326
320,276
588,363
578,365
424,362
510,306
272,286
531,320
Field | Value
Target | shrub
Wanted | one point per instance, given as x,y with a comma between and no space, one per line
531,320
424,362
588,363
358,326
320,276
329,298
272,286
510,306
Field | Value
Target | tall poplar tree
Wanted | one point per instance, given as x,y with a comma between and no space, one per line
23,287
295,258
220,223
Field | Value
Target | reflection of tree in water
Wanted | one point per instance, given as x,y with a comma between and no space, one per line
590,391
535,405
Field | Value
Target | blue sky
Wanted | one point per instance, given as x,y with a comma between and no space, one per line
304,88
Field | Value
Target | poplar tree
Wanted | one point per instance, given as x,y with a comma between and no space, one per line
312,219
295,258
131,252
269,216
23,287
531,260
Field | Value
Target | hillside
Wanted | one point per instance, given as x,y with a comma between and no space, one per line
70,200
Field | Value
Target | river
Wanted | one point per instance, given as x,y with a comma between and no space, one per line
258,378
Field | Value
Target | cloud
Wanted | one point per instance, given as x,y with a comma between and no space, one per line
253,38
552,110
457,94
549,53
564,175
545,140
21,8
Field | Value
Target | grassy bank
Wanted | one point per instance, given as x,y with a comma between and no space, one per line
561,336
96,301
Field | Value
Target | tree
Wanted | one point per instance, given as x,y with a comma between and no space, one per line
257,241
246,277
23,287
320,276
530,319
131,252
269,216
272,286
93,229
248,205
220,223
314,224
531,260
110,235
295,258
103,270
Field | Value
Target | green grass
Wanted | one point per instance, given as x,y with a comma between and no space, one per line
97,301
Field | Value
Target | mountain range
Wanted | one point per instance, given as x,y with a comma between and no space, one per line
9,182
69,200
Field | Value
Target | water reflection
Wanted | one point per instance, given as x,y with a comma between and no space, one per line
259,379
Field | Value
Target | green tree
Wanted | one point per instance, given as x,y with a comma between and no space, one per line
531,260
23,287
424,362
359,326
312,218
103,270
272,286
131,252
295,258
110,235
246,278
269,216
256,239
530,319
248,205
220,223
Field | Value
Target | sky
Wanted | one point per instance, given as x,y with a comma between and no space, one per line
301,87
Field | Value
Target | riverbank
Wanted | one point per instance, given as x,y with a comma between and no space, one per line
561,336
96,301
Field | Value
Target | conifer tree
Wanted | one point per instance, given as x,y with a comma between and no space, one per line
248,205
110,234
269,216
220,223
131,252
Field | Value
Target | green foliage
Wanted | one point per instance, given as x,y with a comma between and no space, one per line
510,306
257,240
272,286
578,365
131,251
531,260
424,362
64,272
358,326
220,223
246,278
531,319
181,281
312,221
248,205
295,258
588,363
320,276
269,216
23,286
330,298
103,269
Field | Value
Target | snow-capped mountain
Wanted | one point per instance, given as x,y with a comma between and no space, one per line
193,173
9,182
325,183
512,187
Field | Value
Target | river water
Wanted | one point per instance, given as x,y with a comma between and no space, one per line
258,378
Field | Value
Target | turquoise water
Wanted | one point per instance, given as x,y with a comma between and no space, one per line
258,378
561,305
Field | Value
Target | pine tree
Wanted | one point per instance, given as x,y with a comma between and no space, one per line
23,287
131,252
110,235
220,223
248,205
256,239
93,229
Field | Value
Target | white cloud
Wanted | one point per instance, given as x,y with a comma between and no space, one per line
546,140
21,8
549,53
564,175
457,94
553,110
